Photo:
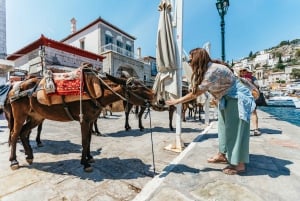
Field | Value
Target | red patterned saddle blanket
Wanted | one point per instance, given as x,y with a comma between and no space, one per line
56,88
69,83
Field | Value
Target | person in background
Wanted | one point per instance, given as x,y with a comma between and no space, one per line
248,74
235,105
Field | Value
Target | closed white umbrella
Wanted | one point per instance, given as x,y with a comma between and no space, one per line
168,58
165,83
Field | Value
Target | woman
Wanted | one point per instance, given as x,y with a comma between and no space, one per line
235,106
247,73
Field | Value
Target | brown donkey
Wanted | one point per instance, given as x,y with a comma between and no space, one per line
27,113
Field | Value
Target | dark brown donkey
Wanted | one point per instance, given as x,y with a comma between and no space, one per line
27,113
159,106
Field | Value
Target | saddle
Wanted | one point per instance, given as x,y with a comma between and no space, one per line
22,89
59,88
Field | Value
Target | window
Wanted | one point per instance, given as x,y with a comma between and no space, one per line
81,44
119,44
128,47
108,38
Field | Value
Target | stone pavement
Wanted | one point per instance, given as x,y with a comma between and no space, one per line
124,160
272,174
123,169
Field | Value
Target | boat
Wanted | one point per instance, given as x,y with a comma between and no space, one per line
296,102
281,99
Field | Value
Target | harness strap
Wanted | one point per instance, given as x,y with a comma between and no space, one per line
105,84
66,108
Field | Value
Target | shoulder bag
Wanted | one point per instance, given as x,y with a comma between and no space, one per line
255,92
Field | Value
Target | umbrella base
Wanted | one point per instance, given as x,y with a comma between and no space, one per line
174,148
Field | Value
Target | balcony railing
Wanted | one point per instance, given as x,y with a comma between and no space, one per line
117,49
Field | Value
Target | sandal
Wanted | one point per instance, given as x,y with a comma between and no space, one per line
256,132
231,170
217,159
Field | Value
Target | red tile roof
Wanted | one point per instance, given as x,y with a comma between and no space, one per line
43,41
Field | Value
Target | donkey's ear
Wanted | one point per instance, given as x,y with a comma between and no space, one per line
115,79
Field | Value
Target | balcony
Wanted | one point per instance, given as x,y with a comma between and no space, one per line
122,51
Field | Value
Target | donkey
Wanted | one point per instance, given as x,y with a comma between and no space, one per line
27,112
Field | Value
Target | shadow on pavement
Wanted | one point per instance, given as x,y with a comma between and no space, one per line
267,165
106,168
179,169
270,131
137,132
56,147
259,165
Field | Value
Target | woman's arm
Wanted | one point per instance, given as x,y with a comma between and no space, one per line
188,97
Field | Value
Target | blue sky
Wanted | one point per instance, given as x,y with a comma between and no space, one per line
251,25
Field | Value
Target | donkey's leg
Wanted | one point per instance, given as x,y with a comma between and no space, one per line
25,136
171,113
140,115
90,158
38,136
96,132
85,140
127,107
14,134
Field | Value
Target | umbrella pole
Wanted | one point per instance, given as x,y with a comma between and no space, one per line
178,145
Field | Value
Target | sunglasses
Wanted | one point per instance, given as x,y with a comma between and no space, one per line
189,61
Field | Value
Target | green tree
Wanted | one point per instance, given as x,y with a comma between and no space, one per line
250,54
297,54
278,54
295,41
285,42
295,73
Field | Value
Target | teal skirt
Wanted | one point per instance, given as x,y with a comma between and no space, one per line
233,133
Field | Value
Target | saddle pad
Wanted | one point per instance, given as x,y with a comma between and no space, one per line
68,87
68,83
54,99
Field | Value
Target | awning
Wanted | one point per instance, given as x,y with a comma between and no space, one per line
6,65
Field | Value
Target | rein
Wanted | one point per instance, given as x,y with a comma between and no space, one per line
105,84
152,148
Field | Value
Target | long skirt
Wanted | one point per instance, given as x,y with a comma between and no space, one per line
233,133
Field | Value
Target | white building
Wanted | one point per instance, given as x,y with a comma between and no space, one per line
277,77
117,46
2,29
262,58
288,70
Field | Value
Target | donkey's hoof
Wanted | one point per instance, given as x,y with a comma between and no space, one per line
88,169
29,160
40,144
14,165
91,160
98,134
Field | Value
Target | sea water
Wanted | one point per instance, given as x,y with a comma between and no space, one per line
289,114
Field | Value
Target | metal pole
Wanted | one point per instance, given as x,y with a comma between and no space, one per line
179,8
222,36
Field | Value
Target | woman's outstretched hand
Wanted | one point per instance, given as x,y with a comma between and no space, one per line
172,101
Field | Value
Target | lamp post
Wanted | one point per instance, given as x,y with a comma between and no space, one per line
222,6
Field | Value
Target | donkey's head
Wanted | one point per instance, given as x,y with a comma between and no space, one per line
134,90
